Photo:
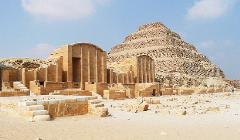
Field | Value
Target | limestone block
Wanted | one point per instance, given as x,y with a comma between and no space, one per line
41,118
34,107
53,101
39,112
143,107
213,109
101,111
152,100
82,99
28,103
94,101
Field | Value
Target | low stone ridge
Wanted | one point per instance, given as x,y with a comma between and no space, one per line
175,59
29,63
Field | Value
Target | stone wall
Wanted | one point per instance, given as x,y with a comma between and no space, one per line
46,87
97,88
146,90
114,94
13,93
75,92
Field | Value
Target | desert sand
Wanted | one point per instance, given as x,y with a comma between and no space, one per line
222,124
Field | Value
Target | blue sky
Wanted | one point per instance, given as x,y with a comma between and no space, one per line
32,28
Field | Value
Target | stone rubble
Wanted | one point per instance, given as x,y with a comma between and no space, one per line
195,104
30,63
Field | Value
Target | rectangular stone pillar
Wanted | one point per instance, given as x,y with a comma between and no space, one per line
153,71
35,75
89,67
102,69
59,70
111,76
24,76
96,65
138,71
81,69
142,69
150,72
117,78
69,64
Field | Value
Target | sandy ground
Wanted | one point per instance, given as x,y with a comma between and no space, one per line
122,125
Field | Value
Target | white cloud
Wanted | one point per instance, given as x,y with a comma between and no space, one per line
209,9
42,50
61,9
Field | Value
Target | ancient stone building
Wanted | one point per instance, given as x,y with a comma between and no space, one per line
153,53
140,69
81,62
176,61
81,65
132,77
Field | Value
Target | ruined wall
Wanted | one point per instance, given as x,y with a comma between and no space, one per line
41,74
72,92
147,89
51,72
13,93
114,94
66,108
96,87
46,88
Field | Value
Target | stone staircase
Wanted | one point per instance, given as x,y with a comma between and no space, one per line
96,95
32,111
96,107
20,87
6,86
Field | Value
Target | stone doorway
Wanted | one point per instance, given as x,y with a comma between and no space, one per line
76,66
154,92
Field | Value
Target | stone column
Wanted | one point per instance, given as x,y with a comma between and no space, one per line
150,71
69,64
142,68
24,76
110,76
59,69
81,69
96,65
117,78
35,75
138,73
102,69
89,67
153,71
46,74
145,70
